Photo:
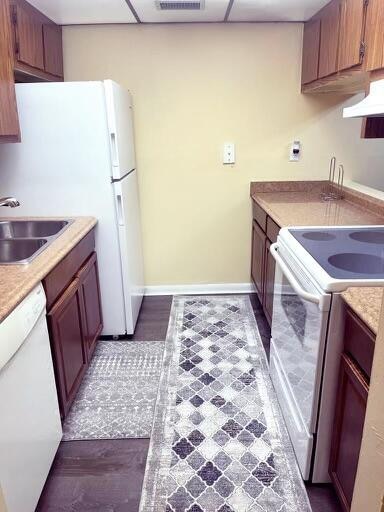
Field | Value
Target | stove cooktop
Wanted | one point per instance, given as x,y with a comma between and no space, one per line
345,253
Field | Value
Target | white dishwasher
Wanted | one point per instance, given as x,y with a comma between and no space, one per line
30,427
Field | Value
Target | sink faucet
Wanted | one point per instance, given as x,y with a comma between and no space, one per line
9,201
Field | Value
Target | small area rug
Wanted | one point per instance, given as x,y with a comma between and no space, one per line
219,443
117,397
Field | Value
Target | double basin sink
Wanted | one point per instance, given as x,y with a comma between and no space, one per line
22,240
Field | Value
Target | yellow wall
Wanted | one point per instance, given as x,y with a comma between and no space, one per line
196,87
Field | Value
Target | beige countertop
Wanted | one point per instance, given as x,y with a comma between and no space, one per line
300,204
16,281
307,209
366,303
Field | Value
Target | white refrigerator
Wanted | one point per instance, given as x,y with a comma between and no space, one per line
77,157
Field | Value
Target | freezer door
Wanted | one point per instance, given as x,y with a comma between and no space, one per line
120,123
131,254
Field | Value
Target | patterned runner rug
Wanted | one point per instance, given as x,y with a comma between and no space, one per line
118,394
219,443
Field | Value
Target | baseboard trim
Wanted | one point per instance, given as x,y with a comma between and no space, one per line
199,289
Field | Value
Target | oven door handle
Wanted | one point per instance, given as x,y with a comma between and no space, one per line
291,278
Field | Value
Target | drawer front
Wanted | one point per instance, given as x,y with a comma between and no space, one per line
272,230
61,276
259,215
359,342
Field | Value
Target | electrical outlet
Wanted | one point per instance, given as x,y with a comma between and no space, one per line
295,152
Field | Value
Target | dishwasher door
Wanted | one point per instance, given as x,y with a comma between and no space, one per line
30,426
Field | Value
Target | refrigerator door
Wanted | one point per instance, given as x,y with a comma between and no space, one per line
63,168
120,123
129,227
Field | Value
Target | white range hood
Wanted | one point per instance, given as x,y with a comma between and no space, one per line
371,106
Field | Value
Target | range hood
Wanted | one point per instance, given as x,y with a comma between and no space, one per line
371,106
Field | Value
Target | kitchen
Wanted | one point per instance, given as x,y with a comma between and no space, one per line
216,108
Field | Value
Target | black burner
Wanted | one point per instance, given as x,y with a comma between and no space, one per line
368,237
320,236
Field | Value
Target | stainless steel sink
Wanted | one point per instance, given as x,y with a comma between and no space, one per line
20,250
22,240
31,228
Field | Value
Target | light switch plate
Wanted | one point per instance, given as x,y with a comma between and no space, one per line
229,153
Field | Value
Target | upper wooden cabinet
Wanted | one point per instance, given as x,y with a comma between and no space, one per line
352,30
311,51
53,49
37,43
30,50
344,46
330,26
9,122
374,35
28,30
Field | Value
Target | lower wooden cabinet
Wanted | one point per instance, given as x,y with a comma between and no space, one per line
68,345
269,282
348,432
92,321
74,318
264,233
258,252
351,403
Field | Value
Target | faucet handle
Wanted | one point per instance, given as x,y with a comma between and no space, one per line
9,201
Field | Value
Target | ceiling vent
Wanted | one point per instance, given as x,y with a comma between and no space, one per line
173,5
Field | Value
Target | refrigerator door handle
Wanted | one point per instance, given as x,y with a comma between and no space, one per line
115,160
120,210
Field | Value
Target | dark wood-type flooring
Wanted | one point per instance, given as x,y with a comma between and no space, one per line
106,476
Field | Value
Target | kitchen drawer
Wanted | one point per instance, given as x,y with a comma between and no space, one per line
359,342
259,215
61,276
272,230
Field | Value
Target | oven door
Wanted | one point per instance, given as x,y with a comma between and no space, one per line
299,329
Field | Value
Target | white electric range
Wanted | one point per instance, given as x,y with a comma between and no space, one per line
313,266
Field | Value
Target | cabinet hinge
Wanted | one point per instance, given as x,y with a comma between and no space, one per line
362,50
14,16
366,2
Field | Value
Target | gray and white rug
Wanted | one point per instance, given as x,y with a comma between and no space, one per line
219,443
118,394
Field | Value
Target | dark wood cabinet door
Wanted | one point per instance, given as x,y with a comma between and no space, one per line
329,39
374,35
91,308
372,128
348,430
29,36
269,282
68,344
311,51
258,254
9,121
53,49
352,26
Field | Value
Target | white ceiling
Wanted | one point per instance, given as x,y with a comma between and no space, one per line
274,10
68,12
74,12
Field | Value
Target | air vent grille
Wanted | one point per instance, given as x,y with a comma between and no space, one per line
169,5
